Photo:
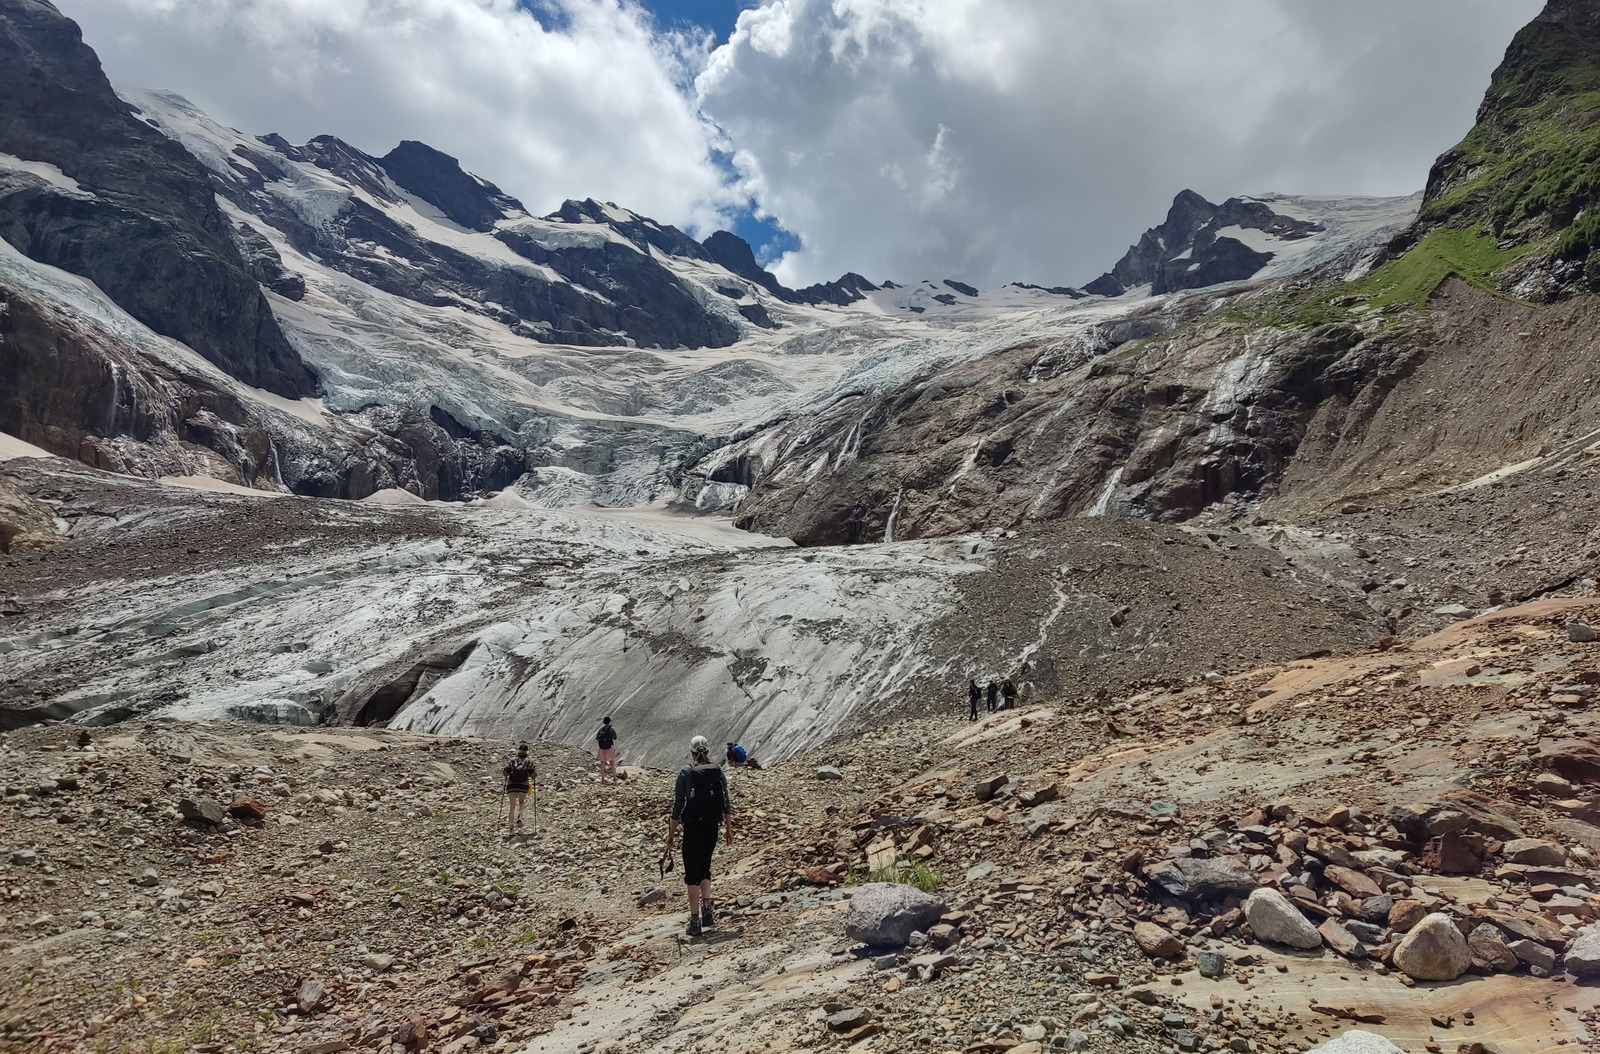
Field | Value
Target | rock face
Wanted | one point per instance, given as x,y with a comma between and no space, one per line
1434,950
1273,918
133,211
887,913
1202,879
1189,252
1513,173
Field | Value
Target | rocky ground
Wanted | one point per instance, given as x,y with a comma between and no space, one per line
1115,873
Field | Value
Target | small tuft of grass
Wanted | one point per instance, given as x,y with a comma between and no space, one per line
925,877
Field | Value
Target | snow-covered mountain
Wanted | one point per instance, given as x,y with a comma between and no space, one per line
335,323
1255,238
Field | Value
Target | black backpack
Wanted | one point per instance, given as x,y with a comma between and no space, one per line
708,795
607,736
519,774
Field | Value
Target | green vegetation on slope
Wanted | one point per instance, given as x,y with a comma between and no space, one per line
1401,285
1412,278
1531,165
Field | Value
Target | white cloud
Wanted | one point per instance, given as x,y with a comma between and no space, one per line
995,140
988,140
593,106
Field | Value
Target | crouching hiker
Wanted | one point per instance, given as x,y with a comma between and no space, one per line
520,775
699,803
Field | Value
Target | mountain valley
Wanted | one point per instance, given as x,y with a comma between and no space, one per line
326,475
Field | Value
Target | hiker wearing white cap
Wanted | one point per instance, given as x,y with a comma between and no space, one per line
699,803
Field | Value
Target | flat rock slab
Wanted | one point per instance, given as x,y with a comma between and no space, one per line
1517,1013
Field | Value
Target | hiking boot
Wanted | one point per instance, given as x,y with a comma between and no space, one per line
708,918
694,926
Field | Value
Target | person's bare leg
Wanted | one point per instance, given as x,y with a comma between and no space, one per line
695,892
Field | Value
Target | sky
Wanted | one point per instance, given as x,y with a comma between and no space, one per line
985,140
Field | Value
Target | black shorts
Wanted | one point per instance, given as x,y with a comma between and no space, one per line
698,841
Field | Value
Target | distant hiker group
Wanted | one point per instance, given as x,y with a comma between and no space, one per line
1002,696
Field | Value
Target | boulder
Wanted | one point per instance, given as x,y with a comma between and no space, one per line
1357,1041
1580,633
1583,954
1274,919
1156,942
201,810
1192,878
1434,950
828,772
1486,942
1534,851
1210,964
887,913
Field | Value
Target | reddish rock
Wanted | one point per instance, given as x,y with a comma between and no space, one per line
245,807
1352,882
1405,914
995,816
1156,942
1452,854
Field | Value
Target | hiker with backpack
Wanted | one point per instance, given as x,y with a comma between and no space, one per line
993,688
520,777
1008,693
736,755
974,693
606,740
699,803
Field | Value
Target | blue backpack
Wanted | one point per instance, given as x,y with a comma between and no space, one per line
739,755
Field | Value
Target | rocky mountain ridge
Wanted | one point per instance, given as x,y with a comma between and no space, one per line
114,201
1190,250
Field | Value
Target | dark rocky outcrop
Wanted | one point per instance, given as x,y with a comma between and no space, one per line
734,253
438,179
145,227
1186,252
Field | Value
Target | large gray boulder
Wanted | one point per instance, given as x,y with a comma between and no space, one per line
1434,950
1193,878
1273,918
1357,1041
887,913
1583,955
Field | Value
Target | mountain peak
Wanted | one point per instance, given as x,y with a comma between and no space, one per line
437,178
1190,249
